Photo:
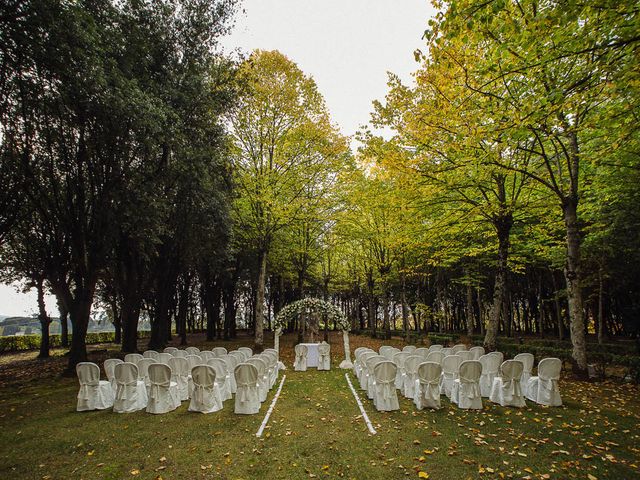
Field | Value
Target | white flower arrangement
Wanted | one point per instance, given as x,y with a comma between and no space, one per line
308,305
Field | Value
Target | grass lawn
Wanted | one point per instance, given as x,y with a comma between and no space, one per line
315,431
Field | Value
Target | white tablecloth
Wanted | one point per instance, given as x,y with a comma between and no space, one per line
312,354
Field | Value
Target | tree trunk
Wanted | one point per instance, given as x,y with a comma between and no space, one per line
574,290
405,309
79,310
259,307
503,228
600,305
45,321
469,305
64,322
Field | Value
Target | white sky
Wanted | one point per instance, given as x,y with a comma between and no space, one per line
347,46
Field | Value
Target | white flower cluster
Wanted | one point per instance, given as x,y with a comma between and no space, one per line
311,305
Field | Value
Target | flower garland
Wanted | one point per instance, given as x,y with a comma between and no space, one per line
308,305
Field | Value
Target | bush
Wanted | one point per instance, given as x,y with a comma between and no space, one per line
32,342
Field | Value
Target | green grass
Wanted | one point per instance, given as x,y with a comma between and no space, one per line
316,431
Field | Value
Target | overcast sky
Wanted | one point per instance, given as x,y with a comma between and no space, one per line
347,46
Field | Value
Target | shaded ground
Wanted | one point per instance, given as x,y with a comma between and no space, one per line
315,432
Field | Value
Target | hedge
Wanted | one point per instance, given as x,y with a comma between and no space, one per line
32,342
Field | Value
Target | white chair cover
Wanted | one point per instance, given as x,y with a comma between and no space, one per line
180,353
133,358
170,350
272,365
465,355
399,359
466,389
477,352
206,355
143,370
192,350
500,356
219,351
506,390
239,356
222,377
231,367
300,362
543,388
436,356
150,354
247,397
163,393
422,351
490,365
427,389
385,397
324,357
411,374
370,381
206,396
94,394
263,378
460,347
180,374
109,366
194,361
446,351
131,393
383,349
527,366
164,358
450,367
248,353
359,365
409,348
435,348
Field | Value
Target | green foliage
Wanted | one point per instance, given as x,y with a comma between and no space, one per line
32,342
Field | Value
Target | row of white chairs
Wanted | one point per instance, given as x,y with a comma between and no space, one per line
146,383
418,372
302,351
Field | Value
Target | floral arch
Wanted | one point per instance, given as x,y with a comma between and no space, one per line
307,307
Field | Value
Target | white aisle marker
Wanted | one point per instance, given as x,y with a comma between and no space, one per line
273,404
364,414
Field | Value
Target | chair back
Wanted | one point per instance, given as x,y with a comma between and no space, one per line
109,365
371,362
500,356
465,355
385,372
170,350
203,376
470,371
300,350
194,360
477,352
179,366
133,358
248,353
549,368
458,348
490,363
527,361
150,354
259,363
192,350
411,364
220,366
159,374
429,372
164,358
246,375
219,351
231,361
240,357
126,373
409,348
206,355
88,373
143,367
435,348
511,370
422,351
324,349
451,364
383,349
180,353
436,356
399,359
446,351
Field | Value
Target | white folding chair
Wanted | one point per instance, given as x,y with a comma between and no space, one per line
460,347
399,359
164,358
133,358
219,351
385,397
170,350
427,389
490,366
206,355
477,352
263,380
180,374
131,393
180,353
248,353
500,356
192,350
422,352
143,370
324,357
272,365
247,399
94,394
409,348
466,388
206,397
232,363
411,374
435,348
436,356
371,381
450,367
543,388
163,393
465,355
150,354
527,366
109,366
507,390
300,362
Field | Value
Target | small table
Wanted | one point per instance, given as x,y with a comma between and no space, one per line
312,354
